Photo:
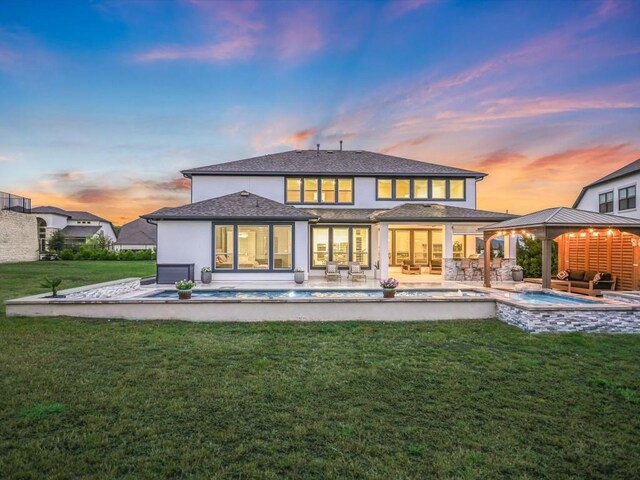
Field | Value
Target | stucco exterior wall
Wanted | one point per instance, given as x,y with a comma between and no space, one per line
18,237
206,187
590,200
185,242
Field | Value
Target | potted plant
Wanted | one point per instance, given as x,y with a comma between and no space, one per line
184,288
53,284
205,274
389,287
376,270
517,273
298,275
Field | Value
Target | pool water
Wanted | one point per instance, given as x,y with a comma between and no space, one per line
546,298
268,294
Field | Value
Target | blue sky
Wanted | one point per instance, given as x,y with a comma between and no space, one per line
103,102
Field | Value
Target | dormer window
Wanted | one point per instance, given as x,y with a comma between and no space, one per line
319,190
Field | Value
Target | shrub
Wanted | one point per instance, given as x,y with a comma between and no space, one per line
56,242
66,254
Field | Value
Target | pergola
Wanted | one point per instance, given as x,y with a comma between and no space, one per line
549,224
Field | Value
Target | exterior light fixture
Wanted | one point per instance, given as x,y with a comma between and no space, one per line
583,234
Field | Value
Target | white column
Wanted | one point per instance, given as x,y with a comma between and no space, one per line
384,250
447,248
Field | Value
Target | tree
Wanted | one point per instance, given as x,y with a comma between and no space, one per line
529,257
100,241
56,242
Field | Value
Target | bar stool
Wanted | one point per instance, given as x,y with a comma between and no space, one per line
496,267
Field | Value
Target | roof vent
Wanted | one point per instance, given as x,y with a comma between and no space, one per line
244,193
358,151
329,151
298,151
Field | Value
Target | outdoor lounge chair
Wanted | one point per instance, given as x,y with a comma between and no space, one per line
355,272
332,272
410,268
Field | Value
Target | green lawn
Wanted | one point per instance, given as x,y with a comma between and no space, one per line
466,400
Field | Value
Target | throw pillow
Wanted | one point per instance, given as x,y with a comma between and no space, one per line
597,277
355,268
563,275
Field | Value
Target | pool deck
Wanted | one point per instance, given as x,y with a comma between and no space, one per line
127,299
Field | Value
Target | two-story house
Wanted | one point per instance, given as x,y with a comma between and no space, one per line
614,193
76,226
260,218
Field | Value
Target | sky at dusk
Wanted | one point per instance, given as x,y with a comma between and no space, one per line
102,102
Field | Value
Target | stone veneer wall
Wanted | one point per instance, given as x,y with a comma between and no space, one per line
554,320
450,268
107,291
622,297
18,237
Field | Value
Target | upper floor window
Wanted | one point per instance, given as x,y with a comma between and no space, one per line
605,201
319,190
420,189
627,198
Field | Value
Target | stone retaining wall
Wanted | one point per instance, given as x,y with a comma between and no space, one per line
623,297
107,291
556,320
18,237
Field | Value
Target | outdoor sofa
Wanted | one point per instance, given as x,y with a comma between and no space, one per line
586,282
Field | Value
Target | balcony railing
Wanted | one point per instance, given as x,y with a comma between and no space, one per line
15,203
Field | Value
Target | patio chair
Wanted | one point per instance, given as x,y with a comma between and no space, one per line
332,272
355,272
496,268
464,268
410,268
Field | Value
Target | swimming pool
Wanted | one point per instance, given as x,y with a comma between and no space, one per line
325,293
548,298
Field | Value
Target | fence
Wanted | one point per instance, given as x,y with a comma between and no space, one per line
15,203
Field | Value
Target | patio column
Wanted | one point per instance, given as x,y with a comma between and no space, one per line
487,259
546,261
384,250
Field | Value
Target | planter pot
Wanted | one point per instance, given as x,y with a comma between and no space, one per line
376,273
184,294
205,277
298,277
517,275
388,292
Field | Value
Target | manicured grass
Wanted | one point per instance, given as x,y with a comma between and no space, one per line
470,399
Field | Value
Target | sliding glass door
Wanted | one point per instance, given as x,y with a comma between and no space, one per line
418,246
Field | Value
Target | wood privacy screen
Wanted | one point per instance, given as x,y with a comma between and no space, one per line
602,253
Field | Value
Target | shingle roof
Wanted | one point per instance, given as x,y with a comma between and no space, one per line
563,216
50,209
629,169
427,211
345,214
74,214
236,205
332,162
138,232
80,231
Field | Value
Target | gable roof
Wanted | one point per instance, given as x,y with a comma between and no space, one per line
50,209
235,205
330,162
435,211
629,169
138,232
80,231
73,214
563,216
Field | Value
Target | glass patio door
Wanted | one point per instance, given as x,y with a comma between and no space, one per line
402,246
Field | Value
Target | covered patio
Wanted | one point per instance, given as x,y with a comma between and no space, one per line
586,241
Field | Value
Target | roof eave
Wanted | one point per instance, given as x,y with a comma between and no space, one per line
192,173
211,218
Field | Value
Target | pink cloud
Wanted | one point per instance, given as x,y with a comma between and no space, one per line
300,35
412,142
241,47
399,8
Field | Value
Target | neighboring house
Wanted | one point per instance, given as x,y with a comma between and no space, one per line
261,217
76,226
614,193
137,235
